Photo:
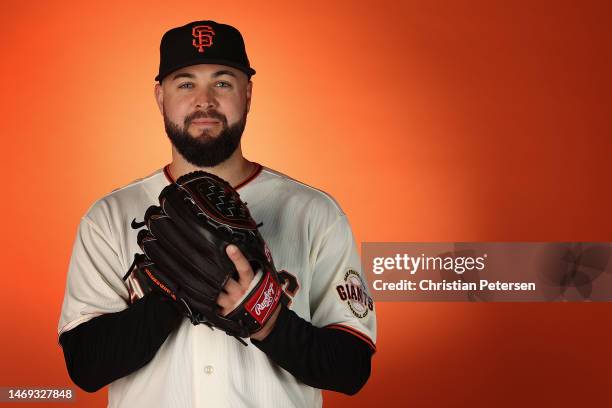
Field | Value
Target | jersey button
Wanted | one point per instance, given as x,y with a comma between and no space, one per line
209,369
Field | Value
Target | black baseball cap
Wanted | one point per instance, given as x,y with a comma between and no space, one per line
202,42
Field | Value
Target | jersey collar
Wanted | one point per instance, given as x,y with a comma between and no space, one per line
251,177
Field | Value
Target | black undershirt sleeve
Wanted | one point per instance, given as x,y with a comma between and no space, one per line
323,358
114,345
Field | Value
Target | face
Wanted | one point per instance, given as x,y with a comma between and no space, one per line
205,108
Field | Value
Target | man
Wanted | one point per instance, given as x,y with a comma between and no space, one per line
149,353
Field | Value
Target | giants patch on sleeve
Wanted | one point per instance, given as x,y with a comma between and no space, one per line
354,292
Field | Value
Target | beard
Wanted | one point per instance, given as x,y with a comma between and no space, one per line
205,150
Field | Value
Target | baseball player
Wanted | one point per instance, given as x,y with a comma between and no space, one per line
149,353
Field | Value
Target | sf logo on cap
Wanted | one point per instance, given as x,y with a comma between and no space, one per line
202,37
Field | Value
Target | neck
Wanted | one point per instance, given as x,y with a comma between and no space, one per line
234,170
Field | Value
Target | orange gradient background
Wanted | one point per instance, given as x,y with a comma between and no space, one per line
427,121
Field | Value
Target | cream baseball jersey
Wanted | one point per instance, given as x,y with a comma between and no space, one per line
313,249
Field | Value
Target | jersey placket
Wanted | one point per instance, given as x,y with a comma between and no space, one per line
210,371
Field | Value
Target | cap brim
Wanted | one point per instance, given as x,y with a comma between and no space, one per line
248,71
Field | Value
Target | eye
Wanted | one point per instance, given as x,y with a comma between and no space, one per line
223,84
186,85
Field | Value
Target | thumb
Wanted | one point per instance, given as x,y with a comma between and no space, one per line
245,272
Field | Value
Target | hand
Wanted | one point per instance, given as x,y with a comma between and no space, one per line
235,290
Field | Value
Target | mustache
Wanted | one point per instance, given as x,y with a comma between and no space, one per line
210,114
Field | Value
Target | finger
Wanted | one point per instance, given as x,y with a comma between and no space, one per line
225,304
242,265
228,299
233,288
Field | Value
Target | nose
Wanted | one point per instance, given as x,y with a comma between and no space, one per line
204,99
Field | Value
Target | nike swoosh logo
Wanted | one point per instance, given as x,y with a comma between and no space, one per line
136,225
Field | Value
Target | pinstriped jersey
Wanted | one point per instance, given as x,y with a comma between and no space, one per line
313,249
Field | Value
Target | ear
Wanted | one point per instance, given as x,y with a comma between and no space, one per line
159,97
249,91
